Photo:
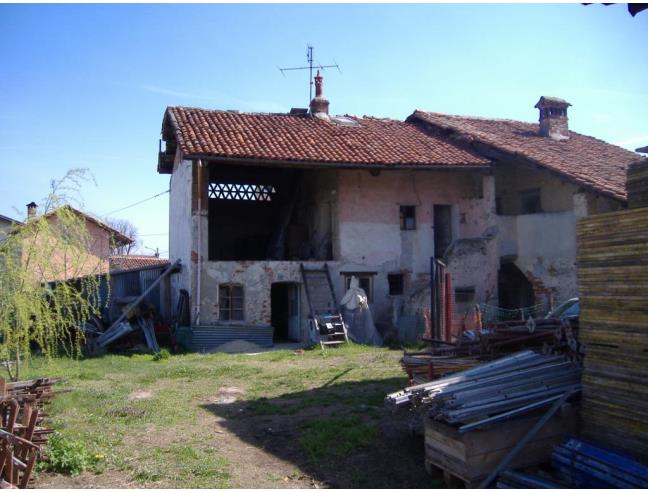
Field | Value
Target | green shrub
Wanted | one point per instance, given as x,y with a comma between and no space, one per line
66,455
163,354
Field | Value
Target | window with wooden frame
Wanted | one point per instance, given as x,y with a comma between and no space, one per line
364,279
407,217
230,302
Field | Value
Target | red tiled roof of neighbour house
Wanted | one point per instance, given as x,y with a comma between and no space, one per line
587,161
202,133
120,263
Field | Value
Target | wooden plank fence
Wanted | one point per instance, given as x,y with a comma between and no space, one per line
637,184
613,286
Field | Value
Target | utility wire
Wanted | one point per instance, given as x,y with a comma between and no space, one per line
136,203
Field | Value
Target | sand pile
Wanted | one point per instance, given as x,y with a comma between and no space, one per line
238,347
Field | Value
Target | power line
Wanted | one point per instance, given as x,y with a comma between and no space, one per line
136,203
155,234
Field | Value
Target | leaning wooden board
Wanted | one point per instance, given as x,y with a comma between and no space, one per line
613,290
473,455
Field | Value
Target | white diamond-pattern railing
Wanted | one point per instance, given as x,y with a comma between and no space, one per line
234,191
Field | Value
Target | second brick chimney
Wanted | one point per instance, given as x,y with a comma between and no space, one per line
553,118
32,210
319,106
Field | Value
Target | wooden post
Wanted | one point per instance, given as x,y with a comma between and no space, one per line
448,307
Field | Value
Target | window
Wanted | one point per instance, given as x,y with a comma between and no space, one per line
407,217
530,201
230,299
364,279
464,295
396,284
233,191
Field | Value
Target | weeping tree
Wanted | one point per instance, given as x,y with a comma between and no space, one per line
49,279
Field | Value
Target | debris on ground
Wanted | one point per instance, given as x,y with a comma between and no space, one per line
23,434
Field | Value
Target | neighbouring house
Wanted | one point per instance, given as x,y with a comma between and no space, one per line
6,223
546,177
253,197
101,239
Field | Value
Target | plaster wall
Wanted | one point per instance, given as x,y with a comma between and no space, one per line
555,193
181,227
543,247
371,240
257,278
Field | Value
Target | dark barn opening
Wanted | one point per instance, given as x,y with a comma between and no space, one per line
515,290
247,211
260,213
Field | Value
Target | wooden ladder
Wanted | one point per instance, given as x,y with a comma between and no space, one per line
324,312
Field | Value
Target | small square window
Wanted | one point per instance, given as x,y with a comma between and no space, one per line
407,217
230,298
530,202
396,284
464,295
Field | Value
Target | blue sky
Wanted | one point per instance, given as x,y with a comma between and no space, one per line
87,85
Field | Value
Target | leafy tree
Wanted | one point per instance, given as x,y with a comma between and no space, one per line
49,283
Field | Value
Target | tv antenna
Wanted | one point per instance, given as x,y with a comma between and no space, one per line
311,64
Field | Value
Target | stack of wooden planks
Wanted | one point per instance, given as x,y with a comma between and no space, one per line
637,184
613,285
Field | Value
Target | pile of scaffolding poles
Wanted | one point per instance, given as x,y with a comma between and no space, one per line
493,392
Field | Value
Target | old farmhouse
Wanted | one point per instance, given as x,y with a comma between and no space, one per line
257,198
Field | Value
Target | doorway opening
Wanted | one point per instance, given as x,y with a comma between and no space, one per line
442,229
284,316
515,290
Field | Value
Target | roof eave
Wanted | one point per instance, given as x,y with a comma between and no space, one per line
486,167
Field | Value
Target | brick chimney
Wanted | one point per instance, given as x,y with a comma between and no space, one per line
553,118
319,106
32,210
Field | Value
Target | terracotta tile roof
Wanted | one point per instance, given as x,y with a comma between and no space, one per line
284,137
584,160
119,263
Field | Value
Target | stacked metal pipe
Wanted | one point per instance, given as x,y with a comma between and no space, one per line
495,391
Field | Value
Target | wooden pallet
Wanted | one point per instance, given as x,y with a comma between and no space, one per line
468,458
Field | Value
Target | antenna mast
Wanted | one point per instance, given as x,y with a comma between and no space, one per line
311,64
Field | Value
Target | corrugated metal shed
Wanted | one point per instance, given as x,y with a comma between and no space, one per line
206,338
132,283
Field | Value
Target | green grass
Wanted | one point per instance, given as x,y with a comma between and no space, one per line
161,440
336,437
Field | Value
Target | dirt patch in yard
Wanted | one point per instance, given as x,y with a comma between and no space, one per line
320,445
140,395
274,420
